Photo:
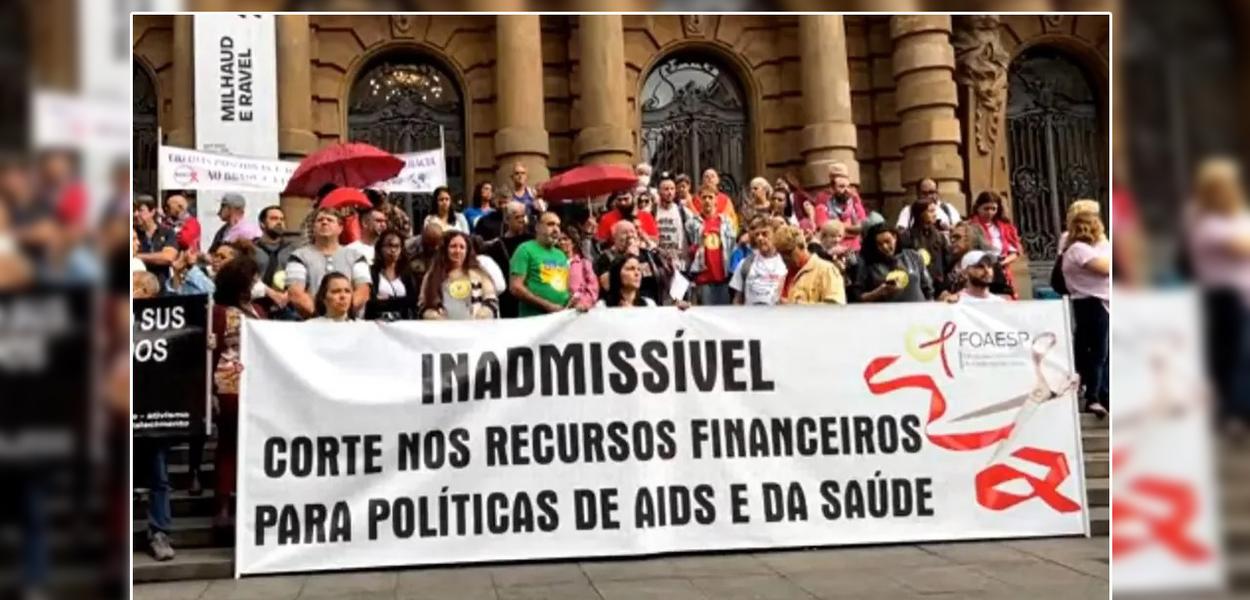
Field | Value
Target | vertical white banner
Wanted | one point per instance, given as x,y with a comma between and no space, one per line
236,99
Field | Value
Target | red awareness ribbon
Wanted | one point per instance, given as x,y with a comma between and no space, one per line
1170,530
948,331
994,475
975,440
1046,489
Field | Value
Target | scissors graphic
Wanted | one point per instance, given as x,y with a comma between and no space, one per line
1028,403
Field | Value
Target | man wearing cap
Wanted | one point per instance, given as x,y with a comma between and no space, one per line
623,203
235,225
976,270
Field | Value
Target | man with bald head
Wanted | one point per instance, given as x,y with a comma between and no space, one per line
626,241
927,189
515,232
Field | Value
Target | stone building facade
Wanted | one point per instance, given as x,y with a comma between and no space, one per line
1016,104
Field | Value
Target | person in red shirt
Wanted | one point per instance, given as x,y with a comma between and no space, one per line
724,206
625,210
839,202
712,240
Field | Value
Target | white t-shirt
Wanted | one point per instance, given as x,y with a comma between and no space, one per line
1083,283
1214,266
763,284
365,250
388,288
496,276
970,299
136,265
672,234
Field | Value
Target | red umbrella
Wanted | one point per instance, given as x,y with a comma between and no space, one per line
587,181
347,198
353,165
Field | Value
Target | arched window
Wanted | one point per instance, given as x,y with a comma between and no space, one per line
1058,149
694,116
143,179
406,104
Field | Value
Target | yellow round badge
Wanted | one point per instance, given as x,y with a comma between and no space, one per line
711,241
459,288
926,256
899,277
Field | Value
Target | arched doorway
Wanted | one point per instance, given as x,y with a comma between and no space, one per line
144,134
694,116
406,103
1057,149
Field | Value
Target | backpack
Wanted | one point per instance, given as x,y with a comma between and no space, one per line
1057,281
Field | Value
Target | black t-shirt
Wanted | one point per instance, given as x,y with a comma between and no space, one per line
489,226
162,238
652,271
501,251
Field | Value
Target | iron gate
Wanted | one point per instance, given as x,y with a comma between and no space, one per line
1057,151
409,107
143,134
694,118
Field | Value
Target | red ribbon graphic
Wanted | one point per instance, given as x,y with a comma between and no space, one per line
988,480
975,440
1047,488
1170,530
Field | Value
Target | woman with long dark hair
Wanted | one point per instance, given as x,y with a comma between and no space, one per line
334,299
923,236
1004,240
889,272
624,284
456,287
445,215
1087,271
232,304
393,296
481,204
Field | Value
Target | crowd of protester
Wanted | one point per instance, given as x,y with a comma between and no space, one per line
507,254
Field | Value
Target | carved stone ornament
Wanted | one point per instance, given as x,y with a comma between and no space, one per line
982,66
1052,21
401,25
692,24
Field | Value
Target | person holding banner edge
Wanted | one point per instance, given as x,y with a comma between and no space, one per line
540,271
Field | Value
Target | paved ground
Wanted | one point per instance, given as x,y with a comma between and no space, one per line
1064,569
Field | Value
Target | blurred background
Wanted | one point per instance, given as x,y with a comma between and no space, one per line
1181,81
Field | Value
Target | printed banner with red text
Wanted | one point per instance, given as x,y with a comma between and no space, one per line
636,431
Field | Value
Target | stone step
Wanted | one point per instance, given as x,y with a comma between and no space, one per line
189,563
1098,491
1090,421
1097,465
1096,440
1099,520
189,532
181,503
179,455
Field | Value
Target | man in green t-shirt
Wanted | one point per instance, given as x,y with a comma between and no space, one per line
540,271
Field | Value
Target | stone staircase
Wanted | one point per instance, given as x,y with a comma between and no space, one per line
201,556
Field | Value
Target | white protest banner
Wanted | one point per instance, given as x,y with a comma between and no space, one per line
1165,535
423,173
623,432
182,169
236,99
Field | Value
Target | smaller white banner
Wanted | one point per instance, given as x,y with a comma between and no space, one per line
81,123
423,173
183,169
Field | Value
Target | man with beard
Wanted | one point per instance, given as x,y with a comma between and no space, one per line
976,275
623,205
272,252
840,203
966,237
503,248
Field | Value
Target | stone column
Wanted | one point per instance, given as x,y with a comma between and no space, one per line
926,97
829,134
181,129
982,75
885,118
604,136
860,67
521,135
295,136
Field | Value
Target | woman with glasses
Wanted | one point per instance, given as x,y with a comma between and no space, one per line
393,296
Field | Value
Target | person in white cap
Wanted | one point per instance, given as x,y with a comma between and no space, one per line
976,270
